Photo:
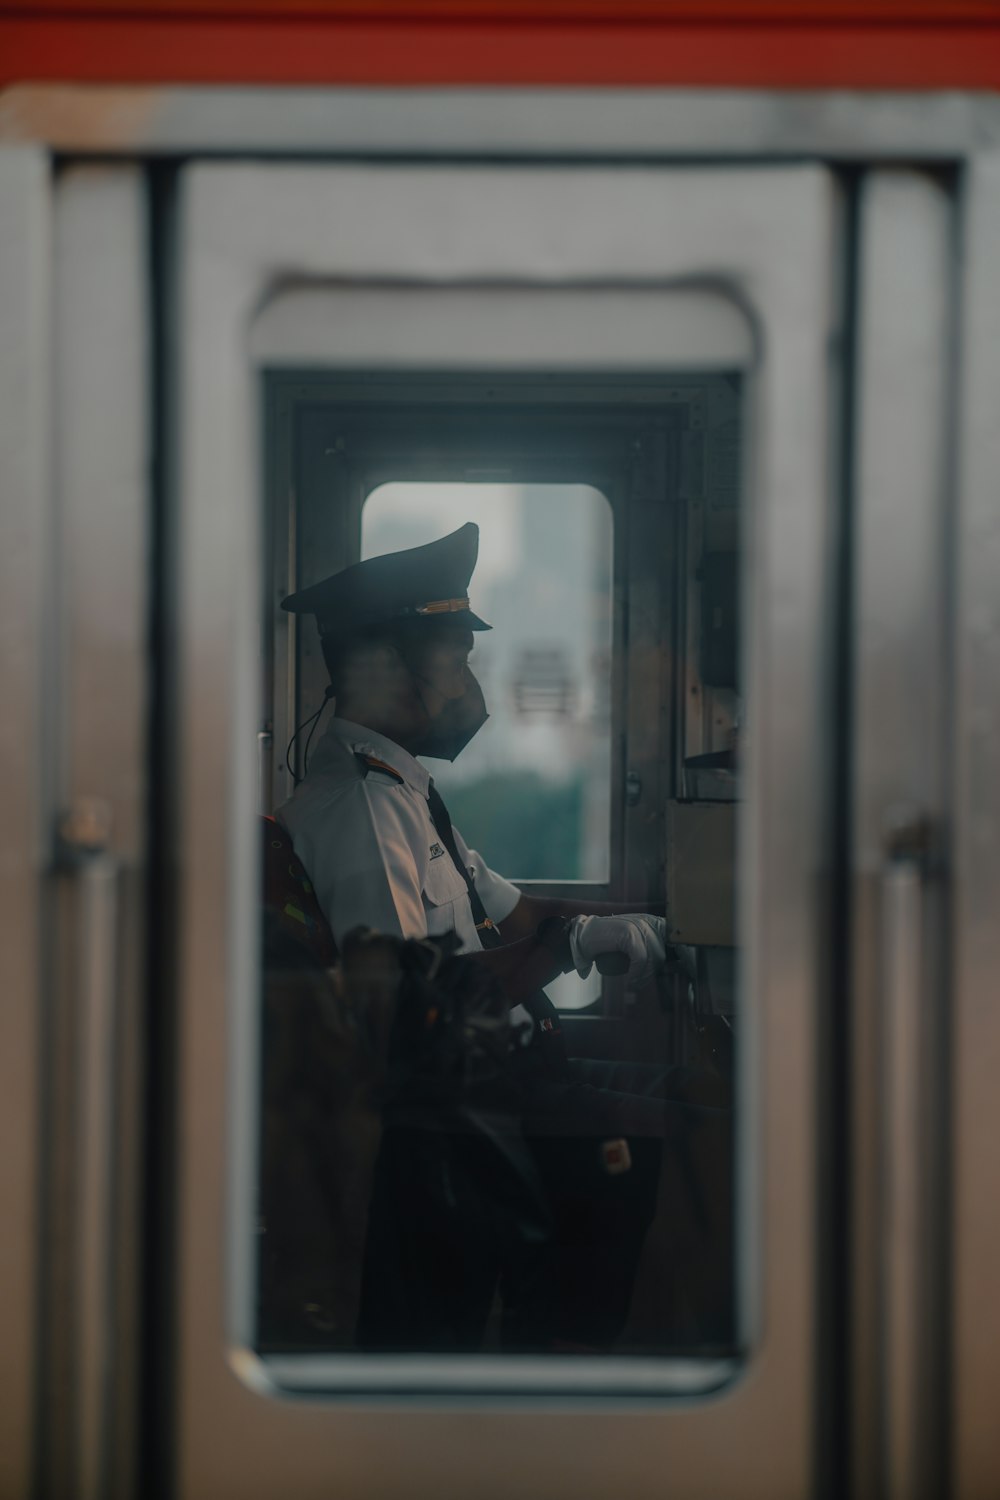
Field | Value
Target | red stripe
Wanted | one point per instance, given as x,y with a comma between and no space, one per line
380,765
455,53
565,12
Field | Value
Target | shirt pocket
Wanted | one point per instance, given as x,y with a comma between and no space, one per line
446,896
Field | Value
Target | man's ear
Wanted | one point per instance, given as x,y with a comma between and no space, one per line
368,669
406,654
375,654
389,657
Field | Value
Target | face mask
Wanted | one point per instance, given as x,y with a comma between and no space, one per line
460,719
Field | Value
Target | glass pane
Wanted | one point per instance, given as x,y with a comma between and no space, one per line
454,1159
532,791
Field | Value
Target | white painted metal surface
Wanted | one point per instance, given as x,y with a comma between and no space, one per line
768,239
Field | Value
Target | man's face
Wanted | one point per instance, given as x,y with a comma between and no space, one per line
441,667
447,688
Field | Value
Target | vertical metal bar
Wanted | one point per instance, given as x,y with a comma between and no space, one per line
280,519
98,943
25,257
102,476
903,347
648,685
975,1209
692,704
906,1203
265,757
87,1330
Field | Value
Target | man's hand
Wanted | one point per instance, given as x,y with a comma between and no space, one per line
530,911
642,939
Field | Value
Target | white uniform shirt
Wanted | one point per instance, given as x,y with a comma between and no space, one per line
372,852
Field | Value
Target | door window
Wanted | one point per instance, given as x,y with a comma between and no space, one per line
643,1086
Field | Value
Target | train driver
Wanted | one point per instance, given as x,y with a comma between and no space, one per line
376,840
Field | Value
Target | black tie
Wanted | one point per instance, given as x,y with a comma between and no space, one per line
539,1007
489,935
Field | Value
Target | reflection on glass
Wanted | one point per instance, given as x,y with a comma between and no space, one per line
449,1162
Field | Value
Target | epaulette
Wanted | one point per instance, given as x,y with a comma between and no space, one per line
372,763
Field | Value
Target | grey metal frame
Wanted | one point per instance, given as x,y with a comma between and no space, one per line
242,228
632,124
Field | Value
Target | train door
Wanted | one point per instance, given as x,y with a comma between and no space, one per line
590,339
742,383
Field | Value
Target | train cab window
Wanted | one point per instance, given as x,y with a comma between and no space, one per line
533,789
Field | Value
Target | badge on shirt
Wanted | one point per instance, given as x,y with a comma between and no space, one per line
436,851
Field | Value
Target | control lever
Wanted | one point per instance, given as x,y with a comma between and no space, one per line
612,965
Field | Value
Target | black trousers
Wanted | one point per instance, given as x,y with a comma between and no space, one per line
520,1198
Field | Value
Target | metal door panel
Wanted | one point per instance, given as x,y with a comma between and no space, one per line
102,683
767,240
900,728
975,1210
25,292
103,479
74,459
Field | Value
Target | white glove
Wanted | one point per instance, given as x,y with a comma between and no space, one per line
642,939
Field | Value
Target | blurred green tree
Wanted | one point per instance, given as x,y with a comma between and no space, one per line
525,826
